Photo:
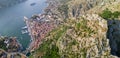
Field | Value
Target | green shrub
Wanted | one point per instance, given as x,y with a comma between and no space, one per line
3,45
108,14
78,25
116,14
60,32
51,50
52,53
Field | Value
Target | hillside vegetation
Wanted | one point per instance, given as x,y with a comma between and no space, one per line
83,33
76,38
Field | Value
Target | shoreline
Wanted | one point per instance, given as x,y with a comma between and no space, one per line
38,29
34,24
25,50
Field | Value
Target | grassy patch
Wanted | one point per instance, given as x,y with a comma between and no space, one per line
107,14
49,49
60,32
83,30
52,53
84,51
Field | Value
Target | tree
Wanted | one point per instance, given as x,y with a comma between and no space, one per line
116,14
106,14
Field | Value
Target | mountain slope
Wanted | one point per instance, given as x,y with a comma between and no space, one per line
84,37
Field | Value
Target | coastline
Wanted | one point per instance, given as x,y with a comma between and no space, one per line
32,37
41,24
38,29
53,36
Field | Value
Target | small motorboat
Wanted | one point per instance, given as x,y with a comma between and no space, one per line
25,27
24,31
32,4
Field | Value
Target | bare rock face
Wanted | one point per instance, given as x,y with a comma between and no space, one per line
79,7
113,35
10,44
76,8
84,37
87,41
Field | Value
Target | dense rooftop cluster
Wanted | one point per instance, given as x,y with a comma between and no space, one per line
39,27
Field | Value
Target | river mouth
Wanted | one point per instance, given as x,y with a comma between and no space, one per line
12,19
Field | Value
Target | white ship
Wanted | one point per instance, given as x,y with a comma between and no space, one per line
24,31
25,27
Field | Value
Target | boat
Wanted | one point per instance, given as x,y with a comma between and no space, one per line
25,27
32,4
25,17
24,31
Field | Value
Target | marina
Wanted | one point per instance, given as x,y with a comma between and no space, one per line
38,27
12,19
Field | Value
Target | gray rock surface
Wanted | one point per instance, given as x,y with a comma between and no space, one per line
114,36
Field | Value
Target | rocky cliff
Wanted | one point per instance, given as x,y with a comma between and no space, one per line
76,8
83,33
10,44
84,37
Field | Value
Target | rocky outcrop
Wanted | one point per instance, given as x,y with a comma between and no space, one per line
84,37
75,8
113,36
4,54
87,40
112,6
10,47
81,35
10,44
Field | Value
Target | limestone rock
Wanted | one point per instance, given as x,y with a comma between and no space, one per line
84,37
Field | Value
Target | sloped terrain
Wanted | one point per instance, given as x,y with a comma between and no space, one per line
82,35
